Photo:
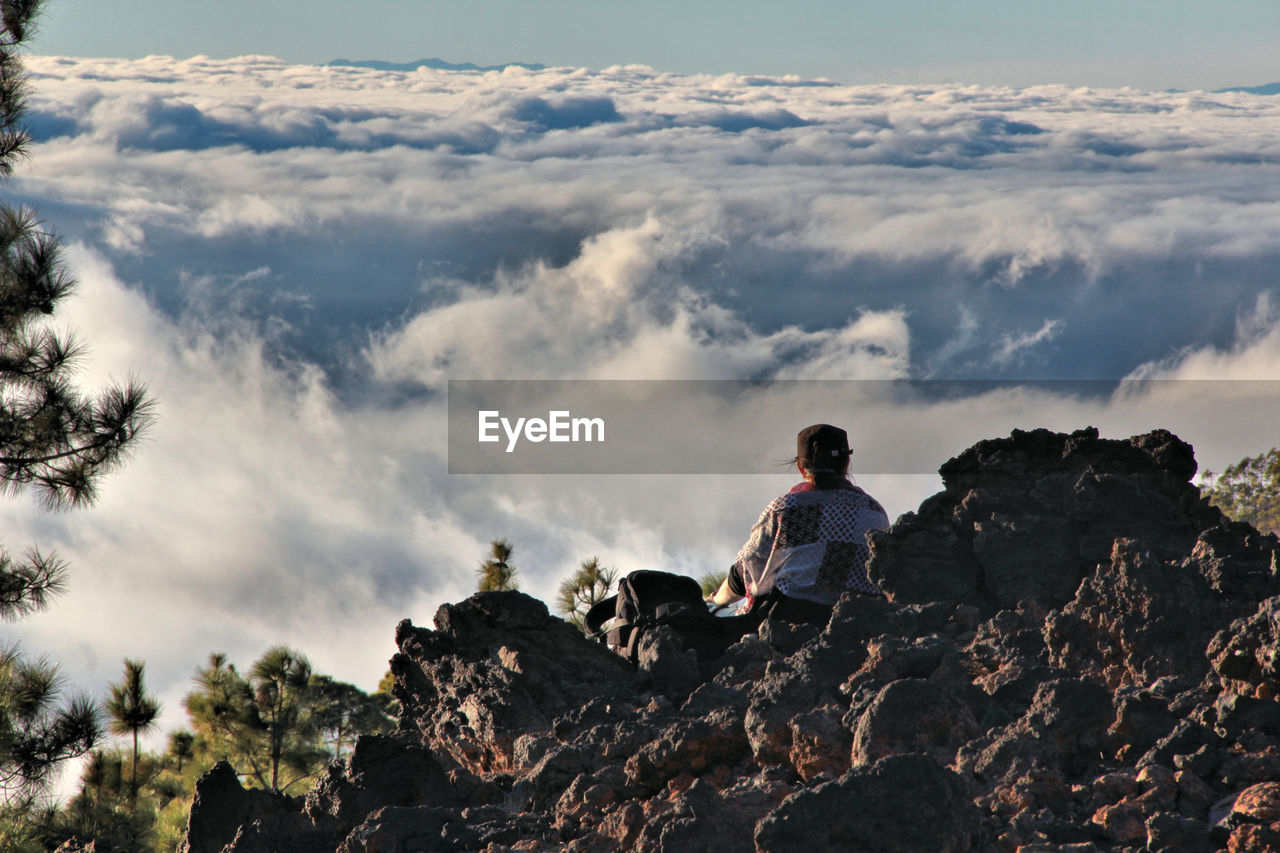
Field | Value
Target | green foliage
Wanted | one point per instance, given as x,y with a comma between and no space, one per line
389,704
588,585
108,809
280,680
262,724
497,573
711,581
342,712
280,725
168,785
132,711
118,808
21,830
1249,490
182,747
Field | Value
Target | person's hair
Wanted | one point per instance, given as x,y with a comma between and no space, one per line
825,479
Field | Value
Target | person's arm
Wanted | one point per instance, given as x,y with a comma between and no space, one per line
724,595
757,549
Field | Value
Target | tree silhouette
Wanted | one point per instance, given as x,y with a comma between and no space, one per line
37,729
497,573
588,585
54,441
182,747
1249,490
132,711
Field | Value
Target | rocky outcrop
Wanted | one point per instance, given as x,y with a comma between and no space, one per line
1030,516
226,815
498,668
1076,652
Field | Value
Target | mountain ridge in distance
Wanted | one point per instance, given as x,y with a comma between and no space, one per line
1264,89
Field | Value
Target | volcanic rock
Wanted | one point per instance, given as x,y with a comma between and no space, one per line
1075,651
1028,517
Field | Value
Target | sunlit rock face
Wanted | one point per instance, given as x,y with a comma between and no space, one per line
1074,648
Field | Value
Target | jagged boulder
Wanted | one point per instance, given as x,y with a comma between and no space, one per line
903,803
386,771
1029,516
1076,652
225,815
498,667
912,715
1137,619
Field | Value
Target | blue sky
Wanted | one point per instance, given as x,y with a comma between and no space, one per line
1151,44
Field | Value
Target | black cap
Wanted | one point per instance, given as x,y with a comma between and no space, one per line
822,448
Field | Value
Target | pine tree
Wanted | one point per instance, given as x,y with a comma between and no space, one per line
37,728
105,814
264,724
497,573
281,681
132,711
588,585
342,712
281,723
1249,490
54,441
218,708
181,747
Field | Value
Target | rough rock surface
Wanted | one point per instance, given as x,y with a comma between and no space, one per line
1076,652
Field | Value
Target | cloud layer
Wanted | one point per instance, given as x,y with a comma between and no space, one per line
298,258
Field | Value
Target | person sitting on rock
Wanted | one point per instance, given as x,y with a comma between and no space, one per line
809,545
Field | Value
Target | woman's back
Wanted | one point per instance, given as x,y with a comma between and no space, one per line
811,544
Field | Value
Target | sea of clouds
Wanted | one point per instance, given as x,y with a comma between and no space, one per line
296,259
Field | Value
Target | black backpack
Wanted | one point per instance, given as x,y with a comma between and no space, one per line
647,599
